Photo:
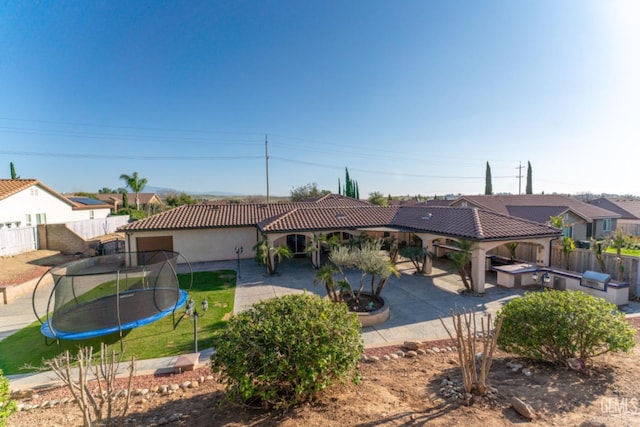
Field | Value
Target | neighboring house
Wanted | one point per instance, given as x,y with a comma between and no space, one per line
582,220
28,202
210,232
628,209
148,201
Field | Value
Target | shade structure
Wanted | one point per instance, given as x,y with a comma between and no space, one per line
107,294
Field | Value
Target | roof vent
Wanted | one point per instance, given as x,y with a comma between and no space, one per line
427,216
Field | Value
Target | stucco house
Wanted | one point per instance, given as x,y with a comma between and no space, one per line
28,202
628,209
582,220
209,232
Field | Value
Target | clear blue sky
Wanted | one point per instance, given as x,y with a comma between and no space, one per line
414,97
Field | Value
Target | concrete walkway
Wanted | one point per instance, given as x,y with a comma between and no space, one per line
416,304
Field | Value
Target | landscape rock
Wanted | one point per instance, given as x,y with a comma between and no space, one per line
523,408
412,345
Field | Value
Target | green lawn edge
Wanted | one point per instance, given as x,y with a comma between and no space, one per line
24,351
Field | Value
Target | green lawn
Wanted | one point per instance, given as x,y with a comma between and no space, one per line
158,339
628,252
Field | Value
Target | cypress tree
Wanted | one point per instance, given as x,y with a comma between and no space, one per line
488,187
13,171
529,189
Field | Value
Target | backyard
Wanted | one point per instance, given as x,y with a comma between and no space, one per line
399,391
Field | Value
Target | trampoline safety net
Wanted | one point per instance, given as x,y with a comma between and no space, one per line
100,295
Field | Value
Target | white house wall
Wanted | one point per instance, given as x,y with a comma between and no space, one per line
36,200
205,244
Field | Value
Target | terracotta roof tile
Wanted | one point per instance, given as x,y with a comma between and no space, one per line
469,223
324,218
9,187
336,200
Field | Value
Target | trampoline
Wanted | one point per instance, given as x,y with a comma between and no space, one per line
110,294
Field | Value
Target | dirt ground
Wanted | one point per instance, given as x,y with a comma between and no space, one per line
403,391
29,265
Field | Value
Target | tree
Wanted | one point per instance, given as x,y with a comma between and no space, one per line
174,200
568,246
13,171
350,186
619,240
461,260
488,187
270,256
136,185
308,191
378,199
529,189
106,190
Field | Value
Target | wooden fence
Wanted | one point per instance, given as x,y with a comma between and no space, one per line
18,240
582,260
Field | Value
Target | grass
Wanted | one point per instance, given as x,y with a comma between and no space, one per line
25,350
627,252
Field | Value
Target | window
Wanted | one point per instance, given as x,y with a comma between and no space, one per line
41,218
92,214
606,224
33,191
464,204
567,231
28,221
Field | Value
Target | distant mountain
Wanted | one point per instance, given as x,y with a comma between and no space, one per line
166,190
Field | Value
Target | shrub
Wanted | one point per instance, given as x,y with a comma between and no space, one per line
285,350
7,405
555,326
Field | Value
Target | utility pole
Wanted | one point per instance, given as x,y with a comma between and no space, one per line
266,158
519,178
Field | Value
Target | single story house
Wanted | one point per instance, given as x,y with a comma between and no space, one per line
628,209
210,232
582,220
28,202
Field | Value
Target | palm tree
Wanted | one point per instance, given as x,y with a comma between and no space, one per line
325,276
618,240
461,260
135,184
265,252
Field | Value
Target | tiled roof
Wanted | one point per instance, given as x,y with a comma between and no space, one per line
336,200
626,208
469,223
325,218
288,217
500,204
9,187
208,215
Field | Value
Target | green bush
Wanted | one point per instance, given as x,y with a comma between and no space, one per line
284,350
555,326
7,405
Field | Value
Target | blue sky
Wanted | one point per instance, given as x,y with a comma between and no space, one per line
414,97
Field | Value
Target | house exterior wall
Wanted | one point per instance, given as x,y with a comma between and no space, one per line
205,244
36,200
